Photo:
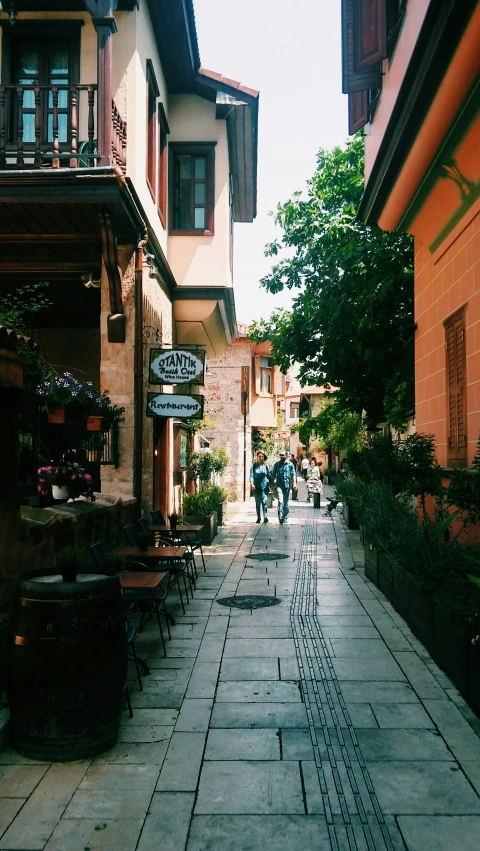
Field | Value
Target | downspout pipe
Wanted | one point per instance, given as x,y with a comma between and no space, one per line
138,396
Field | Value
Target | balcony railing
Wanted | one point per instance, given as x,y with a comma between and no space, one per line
55,126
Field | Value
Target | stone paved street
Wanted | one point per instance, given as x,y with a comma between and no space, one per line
319,723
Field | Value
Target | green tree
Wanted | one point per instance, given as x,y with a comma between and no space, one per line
353,314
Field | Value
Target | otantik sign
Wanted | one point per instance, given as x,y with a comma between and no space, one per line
176,366
170,405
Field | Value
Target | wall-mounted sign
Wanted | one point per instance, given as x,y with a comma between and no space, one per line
171,405
176,366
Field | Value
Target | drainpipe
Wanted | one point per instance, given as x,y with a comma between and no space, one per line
138,398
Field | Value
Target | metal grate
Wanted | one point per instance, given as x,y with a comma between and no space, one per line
249,601
268,556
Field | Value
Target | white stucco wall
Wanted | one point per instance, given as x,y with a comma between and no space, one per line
202,260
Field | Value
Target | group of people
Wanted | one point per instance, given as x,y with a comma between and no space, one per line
283,479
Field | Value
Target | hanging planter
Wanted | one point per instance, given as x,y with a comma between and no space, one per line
97,423
57,416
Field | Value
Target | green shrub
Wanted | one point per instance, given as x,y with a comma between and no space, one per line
205,501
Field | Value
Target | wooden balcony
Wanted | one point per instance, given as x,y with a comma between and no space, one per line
56,127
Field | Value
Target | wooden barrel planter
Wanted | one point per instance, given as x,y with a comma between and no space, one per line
66,665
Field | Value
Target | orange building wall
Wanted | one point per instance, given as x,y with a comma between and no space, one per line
442,285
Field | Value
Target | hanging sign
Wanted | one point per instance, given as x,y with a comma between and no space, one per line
170,405
176,366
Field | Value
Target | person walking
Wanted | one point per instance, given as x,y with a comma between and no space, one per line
304,466
260,476
284,477
314,482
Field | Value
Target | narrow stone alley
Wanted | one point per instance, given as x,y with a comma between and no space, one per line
318,723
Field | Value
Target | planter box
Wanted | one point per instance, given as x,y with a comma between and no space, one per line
421,617
385,577
452,647
473,677
371,562
349,515
209,523
222,513
401,589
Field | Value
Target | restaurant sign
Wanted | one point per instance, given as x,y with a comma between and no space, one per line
176,366
170,405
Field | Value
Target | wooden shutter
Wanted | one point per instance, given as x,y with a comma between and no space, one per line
257,374
357,111
370,32
357,79
456,390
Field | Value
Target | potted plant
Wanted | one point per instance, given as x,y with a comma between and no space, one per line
218,498
67,480
173,517
70,561
101,412
198,508
58,391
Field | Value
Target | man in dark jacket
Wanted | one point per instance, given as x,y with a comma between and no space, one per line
284,477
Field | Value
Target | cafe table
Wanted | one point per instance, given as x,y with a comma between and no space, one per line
181,527
137,579
151,554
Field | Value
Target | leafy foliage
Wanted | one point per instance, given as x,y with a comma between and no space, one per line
206,462
335,426
353,313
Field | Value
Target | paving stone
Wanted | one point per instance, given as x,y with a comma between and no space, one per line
267,631
375,670
411,745
18,781
134,752
289,669
456,731
9,808
401,715
120,777
432,788
211,648
336,631
352,648
169,819
440,833
243,744
296,744
95,834
258,692
182,764
203,681
138,733
378,692
249,669
194,716
246,648
158,717
257,833
160,662
420,677
250,787
361,715
259,715
157,694
344,620
110,804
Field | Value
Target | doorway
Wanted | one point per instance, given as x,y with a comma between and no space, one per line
161,465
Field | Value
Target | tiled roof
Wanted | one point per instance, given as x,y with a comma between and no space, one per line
226,81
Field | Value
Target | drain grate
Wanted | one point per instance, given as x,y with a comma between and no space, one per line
249,601
268,556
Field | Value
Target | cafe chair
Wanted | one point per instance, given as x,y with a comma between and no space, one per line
194,540
173,569
174,539
132,633
143,600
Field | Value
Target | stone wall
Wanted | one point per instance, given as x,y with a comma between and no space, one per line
223,394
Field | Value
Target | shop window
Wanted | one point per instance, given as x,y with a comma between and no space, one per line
456,390
192,187
152,95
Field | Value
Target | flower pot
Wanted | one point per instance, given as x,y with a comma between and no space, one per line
208,522
60,492
57,416
95,423
222,513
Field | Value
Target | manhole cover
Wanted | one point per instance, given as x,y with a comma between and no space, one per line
249,601
268,556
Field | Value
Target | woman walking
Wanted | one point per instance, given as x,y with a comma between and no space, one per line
260,485
314,482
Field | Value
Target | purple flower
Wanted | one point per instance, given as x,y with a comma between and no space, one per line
87,477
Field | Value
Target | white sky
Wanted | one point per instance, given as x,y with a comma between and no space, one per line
290,51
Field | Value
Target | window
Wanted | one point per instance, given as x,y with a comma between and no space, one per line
263,376
456,396
192,190
152,95
294,410
163,130
41,55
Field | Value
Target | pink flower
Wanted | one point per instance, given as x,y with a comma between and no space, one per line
73,477
42,481
87,477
